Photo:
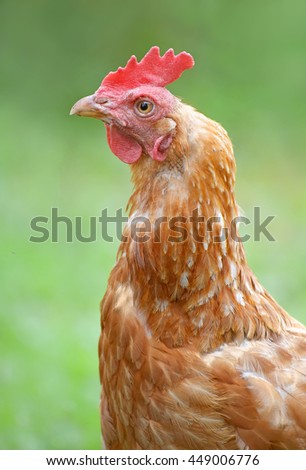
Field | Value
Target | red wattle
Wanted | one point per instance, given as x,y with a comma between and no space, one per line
123,146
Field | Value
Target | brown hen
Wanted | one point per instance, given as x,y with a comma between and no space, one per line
194,353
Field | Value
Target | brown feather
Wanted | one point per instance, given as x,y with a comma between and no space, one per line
194,353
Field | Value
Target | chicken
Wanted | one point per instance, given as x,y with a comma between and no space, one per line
194,353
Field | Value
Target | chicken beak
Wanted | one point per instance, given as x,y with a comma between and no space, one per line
89,107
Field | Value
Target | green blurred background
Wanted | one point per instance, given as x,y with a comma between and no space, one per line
250,75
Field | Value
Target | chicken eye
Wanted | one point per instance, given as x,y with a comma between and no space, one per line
144,107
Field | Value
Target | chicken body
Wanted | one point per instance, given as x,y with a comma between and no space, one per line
194,353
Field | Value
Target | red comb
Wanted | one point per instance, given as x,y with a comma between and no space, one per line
153,69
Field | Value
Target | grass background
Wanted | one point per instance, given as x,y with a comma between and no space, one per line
250,75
